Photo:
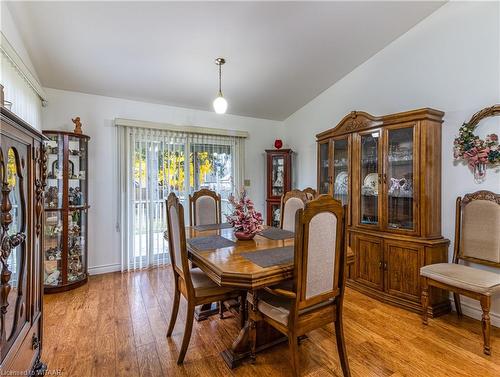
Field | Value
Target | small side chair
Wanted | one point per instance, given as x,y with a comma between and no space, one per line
196,287
316,296
290,203
477,240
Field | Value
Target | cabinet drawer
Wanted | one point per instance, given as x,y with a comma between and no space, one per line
26,354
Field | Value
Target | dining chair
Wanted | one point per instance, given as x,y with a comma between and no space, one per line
316,294
310,193
192,283
290,203
477,240
204,208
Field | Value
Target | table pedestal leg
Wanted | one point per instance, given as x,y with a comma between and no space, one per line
267,336
204,311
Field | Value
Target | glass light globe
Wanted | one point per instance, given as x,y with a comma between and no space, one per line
220,104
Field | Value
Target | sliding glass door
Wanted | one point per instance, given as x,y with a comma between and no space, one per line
158,163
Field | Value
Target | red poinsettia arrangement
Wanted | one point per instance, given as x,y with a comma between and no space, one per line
245,218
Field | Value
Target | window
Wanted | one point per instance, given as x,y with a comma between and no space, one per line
156,163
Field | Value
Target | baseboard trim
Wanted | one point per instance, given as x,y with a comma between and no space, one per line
105,268
476,312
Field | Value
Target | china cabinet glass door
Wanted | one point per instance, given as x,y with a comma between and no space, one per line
369,178
341,170
278,175
398,179
324,168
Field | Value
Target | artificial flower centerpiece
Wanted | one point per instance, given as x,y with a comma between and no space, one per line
247,222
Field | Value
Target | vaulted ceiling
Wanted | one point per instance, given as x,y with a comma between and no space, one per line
280,55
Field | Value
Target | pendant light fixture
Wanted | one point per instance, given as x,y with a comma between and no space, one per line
220,103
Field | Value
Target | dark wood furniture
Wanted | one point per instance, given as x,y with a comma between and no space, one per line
316,293
279,182
228,268
290,203
209,203
205,208
311,193
477,240
387,170
66,211
196,287
22,175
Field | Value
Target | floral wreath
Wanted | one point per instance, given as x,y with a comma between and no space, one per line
478,153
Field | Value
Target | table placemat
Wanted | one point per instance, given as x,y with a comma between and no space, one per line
271,257
210,242
212,226
277,234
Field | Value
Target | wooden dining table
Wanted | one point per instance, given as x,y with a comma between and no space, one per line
228,267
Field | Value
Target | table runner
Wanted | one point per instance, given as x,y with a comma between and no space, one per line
210,242
271,257
277,234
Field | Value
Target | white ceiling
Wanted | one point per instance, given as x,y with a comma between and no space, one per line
279,55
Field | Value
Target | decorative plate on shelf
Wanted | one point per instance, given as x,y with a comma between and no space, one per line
370,184
341,183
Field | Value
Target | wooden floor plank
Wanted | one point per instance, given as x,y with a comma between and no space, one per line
116,326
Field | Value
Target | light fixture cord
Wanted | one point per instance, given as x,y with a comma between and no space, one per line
220,79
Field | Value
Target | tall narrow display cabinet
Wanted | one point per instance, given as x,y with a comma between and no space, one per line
279,181
66,207
22,175
388,171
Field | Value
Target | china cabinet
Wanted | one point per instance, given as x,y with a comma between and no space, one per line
66,207
22,175
388,171
279,181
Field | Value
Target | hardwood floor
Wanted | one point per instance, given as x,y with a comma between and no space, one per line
116,325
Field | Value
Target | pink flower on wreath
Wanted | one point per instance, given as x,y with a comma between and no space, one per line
493,137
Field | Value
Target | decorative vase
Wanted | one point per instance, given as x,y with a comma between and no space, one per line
243,236
278,144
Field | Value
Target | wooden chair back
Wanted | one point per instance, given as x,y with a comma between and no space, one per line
177,249
310,193
290,203
477,228
319,252
204,208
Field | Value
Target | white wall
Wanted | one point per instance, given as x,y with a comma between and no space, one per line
98,113
450,61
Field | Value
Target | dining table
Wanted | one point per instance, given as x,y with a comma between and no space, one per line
236,266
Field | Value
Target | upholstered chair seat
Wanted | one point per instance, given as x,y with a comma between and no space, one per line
464,277
204,286
278,307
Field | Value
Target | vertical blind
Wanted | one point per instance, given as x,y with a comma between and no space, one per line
152,164
26,102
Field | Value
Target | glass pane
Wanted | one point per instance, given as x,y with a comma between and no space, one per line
55,158
369,178
324,165
278,175
400,178
275,215
14,261
340,171
53,229
77,222
77,174
211,167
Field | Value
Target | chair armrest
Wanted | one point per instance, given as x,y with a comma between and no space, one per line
281,292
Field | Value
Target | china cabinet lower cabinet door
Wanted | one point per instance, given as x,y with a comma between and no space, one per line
369,261
402,262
